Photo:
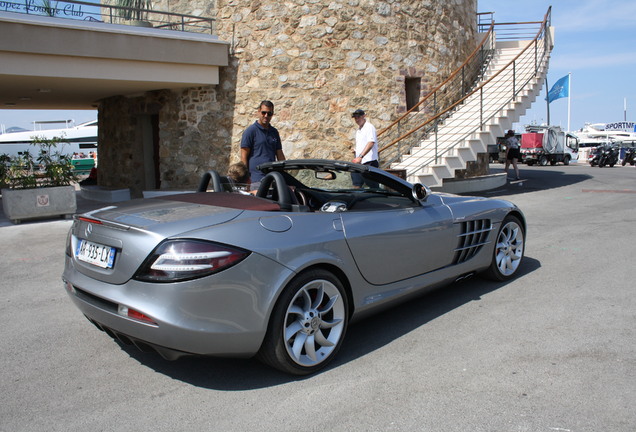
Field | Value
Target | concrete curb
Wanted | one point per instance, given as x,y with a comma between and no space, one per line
473,184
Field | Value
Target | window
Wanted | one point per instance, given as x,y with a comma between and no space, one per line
412,87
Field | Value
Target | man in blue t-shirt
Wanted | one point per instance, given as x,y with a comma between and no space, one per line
261,143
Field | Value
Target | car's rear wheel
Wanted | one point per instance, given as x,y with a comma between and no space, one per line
308,324
509,249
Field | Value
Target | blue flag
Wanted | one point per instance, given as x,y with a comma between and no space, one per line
560,89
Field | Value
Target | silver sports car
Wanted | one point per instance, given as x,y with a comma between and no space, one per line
280,273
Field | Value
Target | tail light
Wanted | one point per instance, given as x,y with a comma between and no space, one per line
179,260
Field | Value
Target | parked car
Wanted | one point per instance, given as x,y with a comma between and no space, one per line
281,274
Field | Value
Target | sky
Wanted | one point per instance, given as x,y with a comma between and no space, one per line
595,41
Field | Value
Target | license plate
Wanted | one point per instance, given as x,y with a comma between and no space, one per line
94,253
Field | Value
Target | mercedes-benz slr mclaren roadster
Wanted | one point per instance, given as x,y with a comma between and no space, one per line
281,273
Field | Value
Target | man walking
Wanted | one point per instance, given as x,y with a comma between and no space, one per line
366,148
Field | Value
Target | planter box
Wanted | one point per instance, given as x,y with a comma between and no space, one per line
21,204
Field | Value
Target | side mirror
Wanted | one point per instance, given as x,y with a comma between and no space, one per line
420,192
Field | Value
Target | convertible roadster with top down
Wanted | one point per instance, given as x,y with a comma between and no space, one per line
279,274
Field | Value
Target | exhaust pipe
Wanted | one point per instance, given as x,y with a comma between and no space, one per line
464,277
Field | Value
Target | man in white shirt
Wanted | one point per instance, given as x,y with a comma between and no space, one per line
366,150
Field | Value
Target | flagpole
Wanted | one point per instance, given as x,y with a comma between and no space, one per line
547,99
569,96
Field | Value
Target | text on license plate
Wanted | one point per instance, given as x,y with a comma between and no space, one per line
94,253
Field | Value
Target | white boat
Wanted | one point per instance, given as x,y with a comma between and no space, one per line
75,139
595,134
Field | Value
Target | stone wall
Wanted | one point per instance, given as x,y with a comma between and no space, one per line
317,60
192,134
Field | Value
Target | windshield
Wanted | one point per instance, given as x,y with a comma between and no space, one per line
337,180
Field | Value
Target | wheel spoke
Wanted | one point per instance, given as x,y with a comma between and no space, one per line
292,330
322,340
298,345
329,305
330,324
502,265
310,348
319,296
508,261
294,309
306,299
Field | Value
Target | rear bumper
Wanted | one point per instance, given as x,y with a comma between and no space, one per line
225,314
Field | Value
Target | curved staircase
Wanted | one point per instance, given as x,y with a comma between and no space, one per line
509,81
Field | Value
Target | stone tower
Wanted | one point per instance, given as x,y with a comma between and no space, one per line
318,61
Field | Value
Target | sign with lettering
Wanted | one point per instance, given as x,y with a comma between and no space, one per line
60,9
620,127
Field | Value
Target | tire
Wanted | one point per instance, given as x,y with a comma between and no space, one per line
308,324
543,161
508,252
624,162
566,160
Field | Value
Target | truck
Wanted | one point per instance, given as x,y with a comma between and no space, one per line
548,144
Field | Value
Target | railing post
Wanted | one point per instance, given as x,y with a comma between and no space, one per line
435,111
436,143
463,92
481,107
536,58
514,79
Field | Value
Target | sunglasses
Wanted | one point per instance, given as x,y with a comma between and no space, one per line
267,113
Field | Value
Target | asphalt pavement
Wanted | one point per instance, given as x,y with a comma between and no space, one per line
552,350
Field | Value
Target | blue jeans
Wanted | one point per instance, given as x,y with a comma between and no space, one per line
358,180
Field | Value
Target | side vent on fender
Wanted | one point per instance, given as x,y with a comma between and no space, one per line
473,236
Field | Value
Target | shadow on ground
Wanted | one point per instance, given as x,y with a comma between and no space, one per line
534,179
362,338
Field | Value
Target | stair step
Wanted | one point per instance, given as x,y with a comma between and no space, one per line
479,120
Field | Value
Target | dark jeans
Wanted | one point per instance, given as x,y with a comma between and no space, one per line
358,180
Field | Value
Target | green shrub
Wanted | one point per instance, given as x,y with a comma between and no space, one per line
50,168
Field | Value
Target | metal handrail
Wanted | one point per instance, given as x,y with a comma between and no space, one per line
455,87
486,98
112,14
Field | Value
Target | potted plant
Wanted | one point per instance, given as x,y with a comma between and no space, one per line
136,11
40,186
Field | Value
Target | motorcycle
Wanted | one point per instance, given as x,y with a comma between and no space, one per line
608,156
595,155
630,156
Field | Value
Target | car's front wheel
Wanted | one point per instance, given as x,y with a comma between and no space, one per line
308,324
509,248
